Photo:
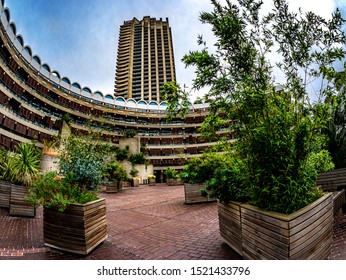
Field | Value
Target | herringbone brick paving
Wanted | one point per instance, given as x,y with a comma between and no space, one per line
143,223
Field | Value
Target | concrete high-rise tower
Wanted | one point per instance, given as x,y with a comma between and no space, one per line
145,58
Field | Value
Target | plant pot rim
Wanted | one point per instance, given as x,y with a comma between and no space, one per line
84,204
287,217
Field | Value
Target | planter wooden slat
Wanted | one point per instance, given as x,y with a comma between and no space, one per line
281,241
300,223
255,246
193,194
5,194
174,182
339,199
315,248
112,187
18,205
230,225
299,237
123,184
79,229
135,183
304,234
333,179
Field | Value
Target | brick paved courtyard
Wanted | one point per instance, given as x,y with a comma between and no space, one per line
143,223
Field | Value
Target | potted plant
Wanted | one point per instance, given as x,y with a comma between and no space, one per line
115,173
134,179
195,174
50,158
19,169
74,217
152,180
172,177
49,147
279,147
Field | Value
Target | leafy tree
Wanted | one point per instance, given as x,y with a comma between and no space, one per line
115,172
279,139
81,162
171,173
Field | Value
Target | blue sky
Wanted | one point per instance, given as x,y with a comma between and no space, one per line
79,38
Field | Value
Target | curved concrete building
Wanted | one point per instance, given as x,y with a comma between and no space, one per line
34,98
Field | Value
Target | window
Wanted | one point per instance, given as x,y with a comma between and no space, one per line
28,50
66,80
45,66
76,85
37,59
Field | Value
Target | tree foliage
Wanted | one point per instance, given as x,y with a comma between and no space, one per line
82,161
279,139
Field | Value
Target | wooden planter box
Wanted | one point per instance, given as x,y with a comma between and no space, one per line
18,205
305,234
5,194
135,183
79,229
333,180
193,194
123,184
174,182
112,187
230,225
152,182
339,200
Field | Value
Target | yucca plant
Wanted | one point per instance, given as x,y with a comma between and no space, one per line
26,162
6,165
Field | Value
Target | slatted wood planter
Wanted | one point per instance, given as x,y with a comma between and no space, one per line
123,184
112,187
230,225
193,194
18,204
152,182
135,183
79,229
332,180
305,234
339,200
174,182
5,194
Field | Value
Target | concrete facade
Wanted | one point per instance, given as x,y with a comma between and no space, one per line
145,58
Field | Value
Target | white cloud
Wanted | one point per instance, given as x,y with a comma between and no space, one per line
89,55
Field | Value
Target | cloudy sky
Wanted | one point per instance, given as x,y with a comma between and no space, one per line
79,38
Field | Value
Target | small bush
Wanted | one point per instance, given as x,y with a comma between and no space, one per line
115,171
50,190
171,173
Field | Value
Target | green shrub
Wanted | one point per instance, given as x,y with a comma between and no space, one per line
138,158
278,131
229,183
171,173
201,169
81,162
122,154
50,190
115,171
20,166
134,172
